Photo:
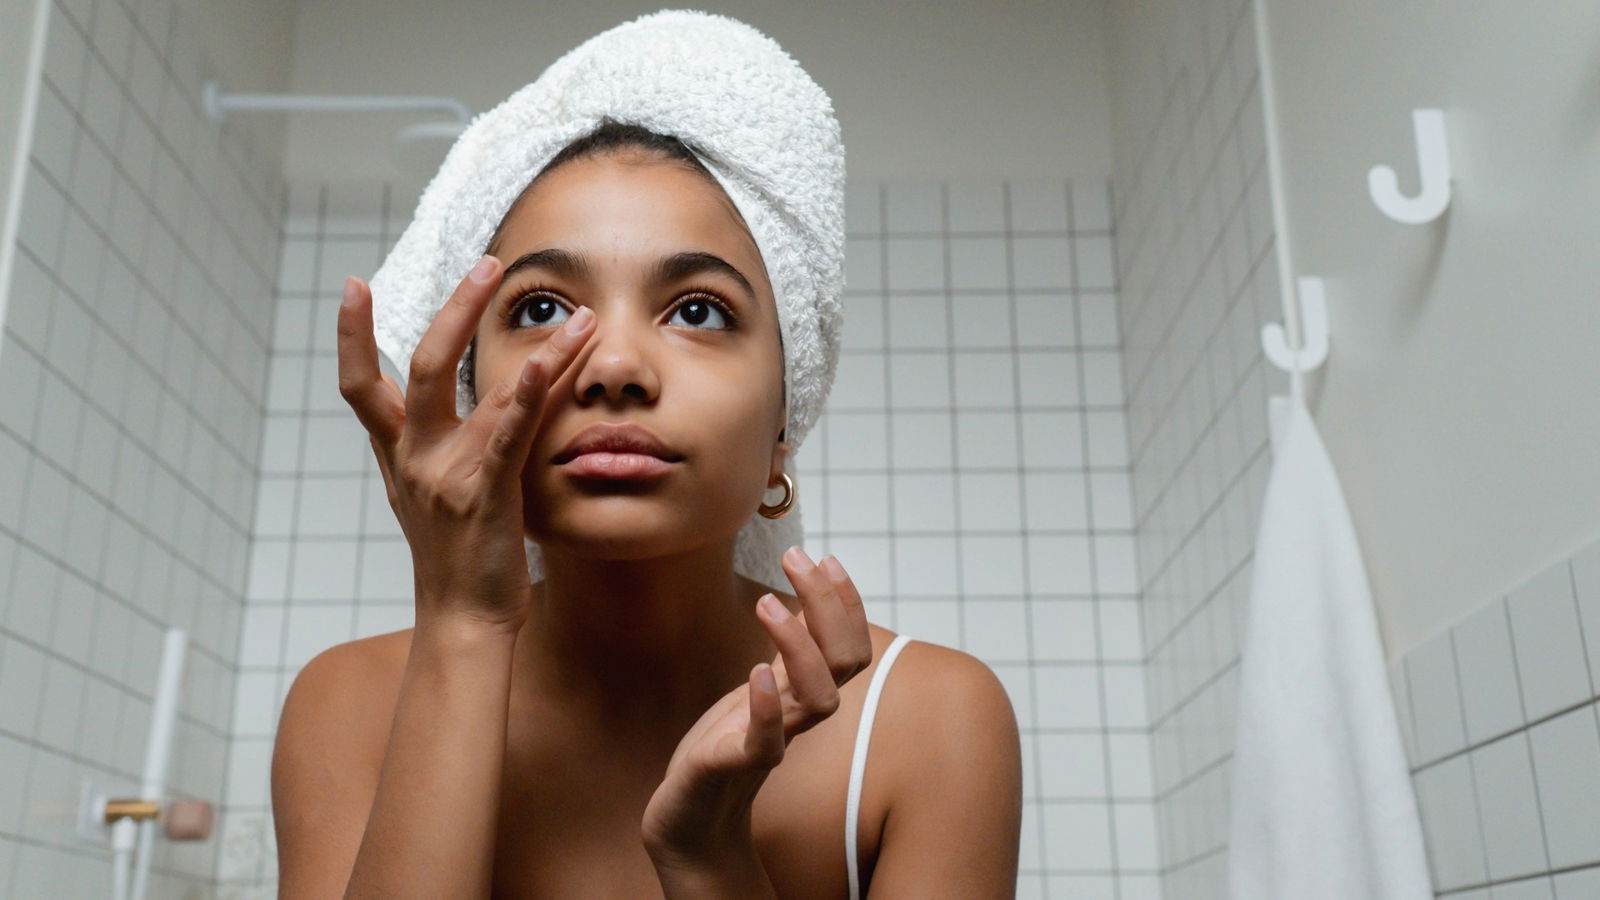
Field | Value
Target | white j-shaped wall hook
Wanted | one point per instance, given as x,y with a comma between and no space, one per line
1433,159
1313,332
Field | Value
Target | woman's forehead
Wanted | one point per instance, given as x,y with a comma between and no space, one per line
620,212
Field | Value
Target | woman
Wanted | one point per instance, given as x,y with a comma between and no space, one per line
627,725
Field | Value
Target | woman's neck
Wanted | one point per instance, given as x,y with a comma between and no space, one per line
641,647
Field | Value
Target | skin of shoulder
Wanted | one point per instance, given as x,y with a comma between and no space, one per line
954,819
327,755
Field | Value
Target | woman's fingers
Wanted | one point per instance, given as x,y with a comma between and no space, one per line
431,386
810,681
844,588
376,399
512,413
833,612
764,739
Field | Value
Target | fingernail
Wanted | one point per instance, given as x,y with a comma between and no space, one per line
834,570
799,557
480,272
529,367
766,681
349,289
776,611
579,320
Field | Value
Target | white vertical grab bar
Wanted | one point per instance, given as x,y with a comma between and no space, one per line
27,116
1275,343
158,748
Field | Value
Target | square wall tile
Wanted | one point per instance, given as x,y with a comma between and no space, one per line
1586,581
1436,698
1488,673
1566,763
995,629
1549,643
1076,835
1449,808
1513,832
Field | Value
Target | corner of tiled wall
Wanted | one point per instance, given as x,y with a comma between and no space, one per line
329,563
975,463
1198,280
132,376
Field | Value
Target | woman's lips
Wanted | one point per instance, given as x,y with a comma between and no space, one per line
606,464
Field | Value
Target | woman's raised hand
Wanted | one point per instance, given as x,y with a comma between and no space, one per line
455,486
701,811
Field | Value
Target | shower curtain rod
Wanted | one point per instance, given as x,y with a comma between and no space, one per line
217,103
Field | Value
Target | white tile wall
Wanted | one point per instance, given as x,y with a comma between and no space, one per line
1194,262
1499,716
972,469
132,376
999,489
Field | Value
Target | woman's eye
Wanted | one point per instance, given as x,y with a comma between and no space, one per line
540,310
696,313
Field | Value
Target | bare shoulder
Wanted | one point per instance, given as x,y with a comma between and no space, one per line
943,711
355,674
953,810
346,693
328,753
932,681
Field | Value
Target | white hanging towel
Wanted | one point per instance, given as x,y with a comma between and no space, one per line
1322,801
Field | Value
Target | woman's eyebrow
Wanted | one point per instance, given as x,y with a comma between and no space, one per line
668,268
692,262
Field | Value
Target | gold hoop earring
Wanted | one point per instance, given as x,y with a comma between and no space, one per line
782,509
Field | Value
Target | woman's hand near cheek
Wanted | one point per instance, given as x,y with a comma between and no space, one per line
701,812
455,486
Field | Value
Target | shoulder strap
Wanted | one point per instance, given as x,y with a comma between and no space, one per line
858,762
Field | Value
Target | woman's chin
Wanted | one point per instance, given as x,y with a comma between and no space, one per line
622,531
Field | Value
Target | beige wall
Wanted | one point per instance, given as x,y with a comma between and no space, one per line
1457,399
1013,88
248,46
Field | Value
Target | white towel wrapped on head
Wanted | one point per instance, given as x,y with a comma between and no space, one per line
757,121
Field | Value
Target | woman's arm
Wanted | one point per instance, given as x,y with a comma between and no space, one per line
456,489
422,822
955,811
432,828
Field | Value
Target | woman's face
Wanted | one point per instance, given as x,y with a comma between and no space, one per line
690,352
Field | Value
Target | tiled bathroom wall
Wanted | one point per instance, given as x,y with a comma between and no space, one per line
329,562
1197,279
1499,718
975,465
132,372
971,471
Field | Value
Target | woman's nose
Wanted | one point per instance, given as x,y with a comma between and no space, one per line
617,363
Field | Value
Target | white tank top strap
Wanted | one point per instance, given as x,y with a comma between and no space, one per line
858,762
